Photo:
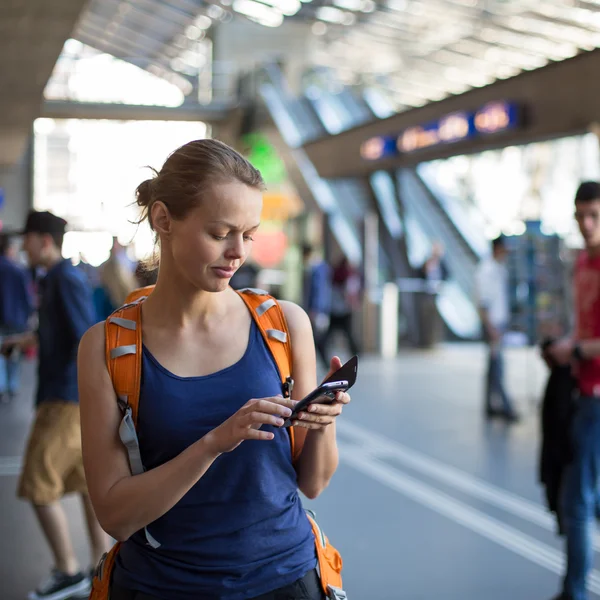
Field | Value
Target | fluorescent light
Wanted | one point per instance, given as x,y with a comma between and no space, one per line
398,5
260,13
349,4
287,7
203,22
331,14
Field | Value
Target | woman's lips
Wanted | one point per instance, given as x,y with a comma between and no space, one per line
224,272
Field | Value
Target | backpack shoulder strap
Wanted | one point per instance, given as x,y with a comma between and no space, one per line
268,316
123,338
139,294
123,333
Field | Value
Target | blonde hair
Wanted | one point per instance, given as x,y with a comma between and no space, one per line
117,280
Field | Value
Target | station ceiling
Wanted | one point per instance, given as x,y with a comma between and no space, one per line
413,51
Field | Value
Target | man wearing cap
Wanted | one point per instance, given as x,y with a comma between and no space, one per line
53,463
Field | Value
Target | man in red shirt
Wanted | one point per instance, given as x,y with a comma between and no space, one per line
580,488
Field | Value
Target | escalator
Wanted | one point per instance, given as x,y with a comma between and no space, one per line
404,233
426,222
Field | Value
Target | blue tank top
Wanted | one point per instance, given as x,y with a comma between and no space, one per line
241,530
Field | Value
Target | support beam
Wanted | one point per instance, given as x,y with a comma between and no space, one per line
557,105
32,34
211,113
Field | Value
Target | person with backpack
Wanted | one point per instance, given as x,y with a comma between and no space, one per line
579,493
187,462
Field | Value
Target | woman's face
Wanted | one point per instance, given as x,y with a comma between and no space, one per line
215,238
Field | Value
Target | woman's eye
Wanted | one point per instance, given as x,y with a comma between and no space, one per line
248,238
219,238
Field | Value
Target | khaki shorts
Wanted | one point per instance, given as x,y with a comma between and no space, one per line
53,464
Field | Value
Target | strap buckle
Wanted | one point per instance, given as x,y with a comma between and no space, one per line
287,387
336,593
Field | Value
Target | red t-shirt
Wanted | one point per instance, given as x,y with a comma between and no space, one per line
587,299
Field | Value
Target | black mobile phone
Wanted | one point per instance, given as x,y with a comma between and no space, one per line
340,381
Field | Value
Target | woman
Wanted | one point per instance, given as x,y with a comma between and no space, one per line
117,281
220,492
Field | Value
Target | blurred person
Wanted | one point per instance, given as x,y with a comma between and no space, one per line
116,281
345,299
225,511
53,464
434,269
433,273
246,276
491,280
16,307
316,294
90,271
579,494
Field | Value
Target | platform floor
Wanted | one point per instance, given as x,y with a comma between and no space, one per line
430,500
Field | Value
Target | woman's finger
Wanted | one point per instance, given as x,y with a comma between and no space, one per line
257,434
256,418
332,410
273,406
313,418
343,397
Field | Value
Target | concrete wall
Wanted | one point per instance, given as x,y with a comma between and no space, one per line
17,185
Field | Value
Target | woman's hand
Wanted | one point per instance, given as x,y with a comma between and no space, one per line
318,416
245,424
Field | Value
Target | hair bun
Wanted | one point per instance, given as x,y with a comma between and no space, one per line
143,193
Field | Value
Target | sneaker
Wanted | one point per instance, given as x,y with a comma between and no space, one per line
59,586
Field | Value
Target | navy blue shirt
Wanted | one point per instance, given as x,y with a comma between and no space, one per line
66,312
241,530
15,296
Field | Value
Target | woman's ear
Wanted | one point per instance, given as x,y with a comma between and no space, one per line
160,217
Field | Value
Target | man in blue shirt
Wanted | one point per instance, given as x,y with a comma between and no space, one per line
15,309
53,464
316,299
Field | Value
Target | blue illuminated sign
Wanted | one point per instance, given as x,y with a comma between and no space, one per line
492,118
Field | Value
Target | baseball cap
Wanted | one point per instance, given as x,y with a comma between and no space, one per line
44,222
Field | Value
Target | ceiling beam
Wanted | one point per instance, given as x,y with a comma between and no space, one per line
553,109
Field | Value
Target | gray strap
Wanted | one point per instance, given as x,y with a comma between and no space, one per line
313,515
129,437
126,323
275,334
336,593
255,291
151,540
261,309
122,351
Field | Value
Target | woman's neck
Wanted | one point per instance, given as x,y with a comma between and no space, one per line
180,304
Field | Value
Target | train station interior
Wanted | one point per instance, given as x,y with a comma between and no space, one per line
428,156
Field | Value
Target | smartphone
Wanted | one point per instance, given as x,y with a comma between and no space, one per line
340,381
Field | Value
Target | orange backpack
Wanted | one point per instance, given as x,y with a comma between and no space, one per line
123,339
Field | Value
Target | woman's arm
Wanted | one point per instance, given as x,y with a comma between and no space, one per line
124,503
319,459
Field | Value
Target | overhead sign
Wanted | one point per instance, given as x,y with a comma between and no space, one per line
492,118
1,197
